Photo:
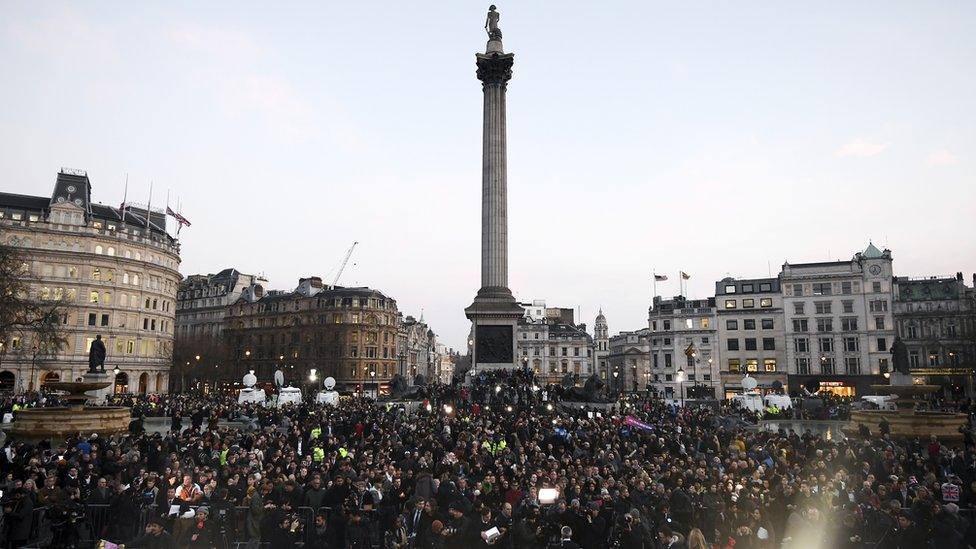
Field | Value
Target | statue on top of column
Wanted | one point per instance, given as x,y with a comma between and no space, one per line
491,24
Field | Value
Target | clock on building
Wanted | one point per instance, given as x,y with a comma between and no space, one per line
875,269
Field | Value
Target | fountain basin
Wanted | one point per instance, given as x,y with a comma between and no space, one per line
909,423
57,422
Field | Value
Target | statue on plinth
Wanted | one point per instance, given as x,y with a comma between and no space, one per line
899,356
491,24
96,356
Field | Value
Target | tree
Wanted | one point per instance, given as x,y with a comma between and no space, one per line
22,313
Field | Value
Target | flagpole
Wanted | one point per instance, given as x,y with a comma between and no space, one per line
125,195
654,279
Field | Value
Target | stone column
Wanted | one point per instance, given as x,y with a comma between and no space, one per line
494,71
494,313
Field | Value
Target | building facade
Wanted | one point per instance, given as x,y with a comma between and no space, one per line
936,319
684,352
839,322
416,349
628,362
552,345
114,273
202,301
751,336
347,333
684,348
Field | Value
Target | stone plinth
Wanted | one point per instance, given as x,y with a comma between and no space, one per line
102,378
57,423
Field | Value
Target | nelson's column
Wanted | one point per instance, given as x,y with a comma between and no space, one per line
494,313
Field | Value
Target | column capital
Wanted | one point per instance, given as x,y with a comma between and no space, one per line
495,68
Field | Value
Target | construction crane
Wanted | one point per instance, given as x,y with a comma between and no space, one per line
342,266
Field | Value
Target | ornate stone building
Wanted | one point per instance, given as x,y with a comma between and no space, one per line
116,275
628,362
347,333
839,323
684,347
416,349
202,301
936,318
550,343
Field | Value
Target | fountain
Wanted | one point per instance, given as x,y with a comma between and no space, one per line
899,406
58,422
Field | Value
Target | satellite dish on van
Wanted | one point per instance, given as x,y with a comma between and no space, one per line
749,383
250,379
329,383
279,378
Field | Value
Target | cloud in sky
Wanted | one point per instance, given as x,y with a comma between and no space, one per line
861,148
942,158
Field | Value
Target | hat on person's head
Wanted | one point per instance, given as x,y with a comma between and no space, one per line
203,510
951,508
893,478
604,492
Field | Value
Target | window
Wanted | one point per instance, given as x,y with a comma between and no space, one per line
730,304
766,302
767,324
933,359
130,347
798,308
92,318
821,288
750,344
705,323
747,288
732,344
769,365
765,287
951,329
911,331
878,305
798,289
801,344
853,364
748,303
730,288
96,274
822,307
827,365
667,360
826,344
735,365
851,345
802,365
689,323
749,324
667,325
825,325
110,251
98,249
845,287
752,365
731,324
104,320
848,305
800,325
93,297
848,324
769,344
882,344
145,324
575,351
876,287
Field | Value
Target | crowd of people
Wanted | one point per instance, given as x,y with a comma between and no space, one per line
500,462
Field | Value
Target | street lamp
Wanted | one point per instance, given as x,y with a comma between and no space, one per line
616,386
680,377
33,364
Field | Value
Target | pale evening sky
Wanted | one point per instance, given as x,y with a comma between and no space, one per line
720,138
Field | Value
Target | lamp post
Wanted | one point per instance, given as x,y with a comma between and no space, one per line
115,379
616,385
33,366
680,377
